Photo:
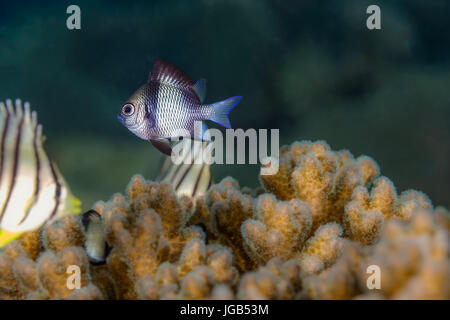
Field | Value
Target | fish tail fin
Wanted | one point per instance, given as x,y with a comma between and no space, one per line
73,205
7,236
76,204
221,109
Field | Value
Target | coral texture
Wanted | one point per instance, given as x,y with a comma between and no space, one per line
35,266
311,232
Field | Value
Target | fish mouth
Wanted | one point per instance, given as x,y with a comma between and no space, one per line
120,118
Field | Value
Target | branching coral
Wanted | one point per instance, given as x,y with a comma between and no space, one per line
325,179
155,255
414,259
340,280
223,211
29,271
280,229
336,186
275,280
311,233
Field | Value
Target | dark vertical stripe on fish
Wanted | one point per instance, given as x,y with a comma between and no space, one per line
209,184
38,170
15,165
184,175
58,187
198,181
2,154
182,163
189,168
164,168
152,106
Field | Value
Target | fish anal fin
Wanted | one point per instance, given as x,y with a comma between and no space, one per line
162,145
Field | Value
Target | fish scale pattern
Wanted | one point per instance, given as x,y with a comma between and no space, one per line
176,108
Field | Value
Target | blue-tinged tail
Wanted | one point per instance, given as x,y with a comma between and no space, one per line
220,110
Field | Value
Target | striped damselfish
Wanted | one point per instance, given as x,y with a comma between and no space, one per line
169,105
32,190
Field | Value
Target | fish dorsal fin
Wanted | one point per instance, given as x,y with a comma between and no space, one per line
200,89
167,73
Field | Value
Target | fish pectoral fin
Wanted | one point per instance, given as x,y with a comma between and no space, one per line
162,145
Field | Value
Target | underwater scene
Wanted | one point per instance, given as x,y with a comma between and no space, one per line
225,149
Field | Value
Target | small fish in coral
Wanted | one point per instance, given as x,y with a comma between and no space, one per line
32,190
169,105
97,249
191,178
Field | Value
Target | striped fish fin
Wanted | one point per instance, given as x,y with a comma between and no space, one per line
167,73
189,178
32,191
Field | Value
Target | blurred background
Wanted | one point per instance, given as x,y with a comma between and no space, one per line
310,68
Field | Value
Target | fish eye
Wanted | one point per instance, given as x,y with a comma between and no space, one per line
127,109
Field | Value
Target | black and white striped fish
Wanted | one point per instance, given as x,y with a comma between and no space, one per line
32,190
170,105
192,177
